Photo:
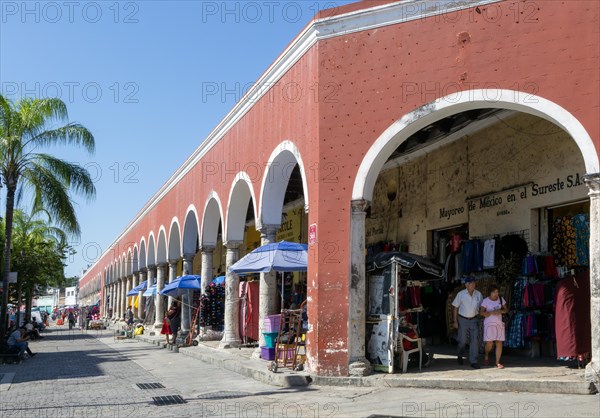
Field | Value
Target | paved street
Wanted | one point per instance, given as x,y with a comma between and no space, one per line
78,374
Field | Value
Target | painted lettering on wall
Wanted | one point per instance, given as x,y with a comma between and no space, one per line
512,196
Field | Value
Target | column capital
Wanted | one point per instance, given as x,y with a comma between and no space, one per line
360,205
144,270
269,230
161,264
188,256
592,181
173,261
232,245
151,266
207,248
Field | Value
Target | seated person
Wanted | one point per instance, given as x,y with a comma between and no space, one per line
37,325
18,340
410,330
31,331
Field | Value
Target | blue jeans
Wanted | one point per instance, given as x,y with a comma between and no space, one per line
468,329
22,346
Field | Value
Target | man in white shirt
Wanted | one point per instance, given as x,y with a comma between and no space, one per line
466,320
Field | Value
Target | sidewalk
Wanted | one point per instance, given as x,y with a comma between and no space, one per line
520,374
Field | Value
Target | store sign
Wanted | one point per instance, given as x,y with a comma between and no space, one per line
312,234
12,277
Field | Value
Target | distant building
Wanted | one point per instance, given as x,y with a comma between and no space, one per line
70,296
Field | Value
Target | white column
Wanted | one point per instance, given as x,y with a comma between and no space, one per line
268,297
186,301
172,276
231,334
151,274
359,365
159,304
207,266
141,298
113,299
592,370
123,296
134,283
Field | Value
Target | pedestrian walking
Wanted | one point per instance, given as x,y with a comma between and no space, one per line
466,321
492,309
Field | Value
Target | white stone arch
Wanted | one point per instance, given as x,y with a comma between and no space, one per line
191,230
151,254
460,102
135,265
237,207
123,259
174,250
275,181
213,214
143,252
161,246
129,263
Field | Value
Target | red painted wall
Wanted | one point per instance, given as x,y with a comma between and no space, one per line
370,79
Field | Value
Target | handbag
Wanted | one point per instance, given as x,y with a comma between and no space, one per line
505,316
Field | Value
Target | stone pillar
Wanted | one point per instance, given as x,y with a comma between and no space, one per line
113,300
141,298
172,276
186,309
207,266
159,301
268,295
359,365
150,272
231,334
123,296
592,370
134,283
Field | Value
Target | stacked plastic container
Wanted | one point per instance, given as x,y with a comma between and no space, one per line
271,329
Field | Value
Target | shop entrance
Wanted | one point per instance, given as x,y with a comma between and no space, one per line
481,196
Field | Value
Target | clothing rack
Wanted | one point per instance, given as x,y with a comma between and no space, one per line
523,233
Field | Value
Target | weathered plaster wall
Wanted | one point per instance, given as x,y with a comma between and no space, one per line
433,191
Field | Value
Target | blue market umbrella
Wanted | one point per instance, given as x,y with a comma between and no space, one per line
219,280
278,256
151,291
182,285
138,288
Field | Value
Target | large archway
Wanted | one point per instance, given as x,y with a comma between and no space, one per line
407,139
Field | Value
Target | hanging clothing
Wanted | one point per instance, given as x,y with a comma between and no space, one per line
563,242
581,225
489,254
572,319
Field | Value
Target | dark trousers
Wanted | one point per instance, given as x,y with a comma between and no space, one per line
468,331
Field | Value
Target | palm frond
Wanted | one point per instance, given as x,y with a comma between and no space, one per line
50,193
73,176
71,134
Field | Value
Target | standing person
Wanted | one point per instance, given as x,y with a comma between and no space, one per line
465,313
166,327
174,316
71,319
129,316
492,309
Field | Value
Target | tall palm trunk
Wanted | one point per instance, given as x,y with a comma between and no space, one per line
10,209
19,297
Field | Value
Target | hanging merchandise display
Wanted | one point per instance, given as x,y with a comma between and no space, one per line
212,307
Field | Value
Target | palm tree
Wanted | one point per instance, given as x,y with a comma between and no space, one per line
25,127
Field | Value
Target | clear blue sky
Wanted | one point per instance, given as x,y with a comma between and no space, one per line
137,75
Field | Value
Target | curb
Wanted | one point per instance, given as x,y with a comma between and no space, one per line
257,370
533,386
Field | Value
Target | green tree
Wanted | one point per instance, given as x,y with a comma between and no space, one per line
38,255
26,126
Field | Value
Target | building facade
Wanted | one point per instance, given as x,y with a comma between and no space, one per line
406,118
